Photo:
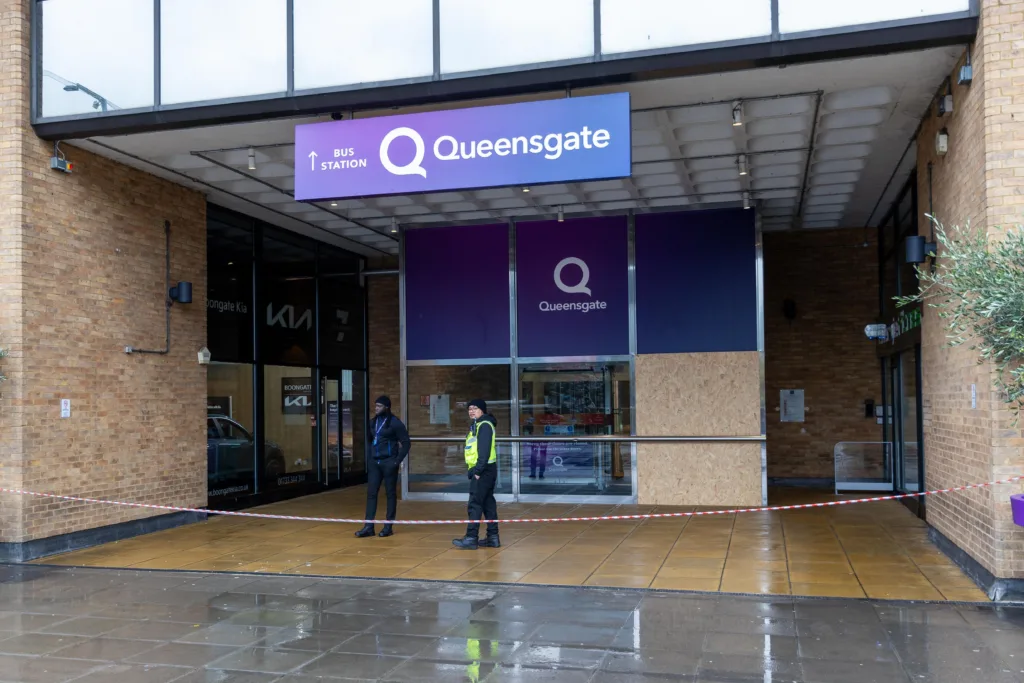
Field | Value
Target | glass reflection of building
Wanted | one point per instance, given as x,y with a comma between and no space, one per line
287,380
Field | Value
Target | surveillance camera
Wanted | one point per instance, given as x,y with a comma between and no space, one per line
337,115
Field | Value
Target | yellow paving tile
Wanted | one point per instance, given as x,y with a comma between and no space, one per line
836,577
671,584
901,592
828,590
620,580
879,550
689,573
965,595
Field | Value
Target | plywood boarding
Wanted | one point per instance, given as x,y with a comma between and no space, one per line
699,394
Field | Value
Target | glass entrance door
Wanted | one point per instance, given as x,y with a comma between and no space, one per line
566,400
903,428
342,427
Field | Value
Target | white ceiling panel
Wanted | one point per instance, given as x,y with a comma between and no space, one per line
686,153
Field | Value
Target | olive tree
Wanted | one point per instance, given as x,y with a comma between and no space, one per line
977,286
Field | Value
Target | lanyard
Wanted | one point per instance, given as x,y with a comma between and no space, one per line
380,425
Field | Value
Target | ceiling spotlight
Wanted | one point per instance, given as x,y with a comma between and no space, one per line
526,189
394,225
252,159
737,114
334,203
561,215
746,200
741,161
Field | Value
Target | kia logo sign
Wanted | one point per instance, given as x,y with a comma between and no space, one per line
296,396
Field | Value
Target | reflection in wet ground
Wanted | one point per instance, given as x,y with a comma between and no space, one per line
118,626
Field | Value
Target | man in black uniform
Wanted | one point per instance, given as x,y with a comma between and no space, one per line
482,462
390,446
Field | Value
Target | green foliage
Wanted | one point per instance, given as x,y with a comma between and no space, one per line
3,377
978,289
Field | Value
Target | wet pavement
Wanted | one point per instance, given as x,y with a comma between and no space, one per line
123,626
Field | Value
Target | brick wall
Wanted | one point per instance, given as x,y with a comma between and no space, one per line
979,181
85,254
833,279
383,336
13,112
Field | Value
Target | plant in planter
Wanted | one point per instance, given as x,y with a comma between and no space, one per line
978,288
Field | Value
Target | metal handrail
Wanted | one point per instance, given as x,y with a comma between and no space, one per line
601,439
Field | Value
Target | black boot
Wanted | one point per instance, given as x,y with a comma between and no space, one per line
387,531
491,542
365,532
467,543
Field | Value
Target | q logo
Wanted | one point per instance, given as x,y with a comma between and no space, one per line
413,167
581,286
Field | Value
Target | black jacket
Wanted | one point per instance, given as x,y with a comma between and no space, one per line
392,438
485,429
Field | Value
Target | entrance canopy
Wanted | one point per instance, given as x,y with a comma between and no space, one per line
819,145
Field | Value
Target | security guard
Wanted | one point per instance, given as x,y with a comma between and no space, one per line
482,462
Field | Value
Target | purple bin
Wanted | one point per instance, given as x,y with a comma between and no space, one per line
1017,505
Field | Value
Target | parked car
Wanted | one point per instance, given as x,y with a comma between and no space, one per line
230,451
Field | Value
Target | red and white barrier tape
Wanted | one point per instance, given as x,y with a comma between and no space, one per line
535,520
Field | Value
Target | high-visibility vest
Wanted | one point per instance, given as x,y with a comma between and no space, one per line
472,449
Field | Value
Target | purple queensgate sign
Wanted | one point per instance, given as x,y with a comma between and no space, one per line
572,288
570,139
456,292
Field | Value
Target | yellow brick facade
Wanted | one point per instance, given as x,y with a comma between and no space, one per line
980,181
81,277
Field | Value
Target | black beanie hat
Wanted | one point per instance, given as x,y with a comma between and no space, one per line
384,401
478,403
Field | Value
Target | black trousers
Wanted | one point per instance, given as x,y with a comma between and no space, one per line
538,454
482,504
382,472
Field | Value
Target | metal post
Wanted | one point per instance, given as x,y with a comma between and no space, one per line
759,265
403,360
513,352
632,353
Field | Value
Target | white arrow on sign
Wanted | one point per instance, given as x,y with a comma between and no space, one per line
312,161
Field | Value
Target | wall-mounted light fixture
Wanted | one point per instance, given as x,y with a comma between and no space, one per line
561,215
966,71
737,113
180,293
252,159
919,250
394,225
946,100
746,200
741,162
789,309
942,142
204,356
